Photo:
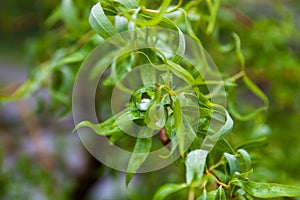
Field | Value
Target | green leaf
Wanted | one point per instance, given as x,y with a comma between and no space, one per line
254,144
32,84
108,7
215,135
140,153
208,195
181,72
267,190
70,15
220,195
168,189
181,47
223,146
195,163
246,158
179,126
214,10
155,116
226,129
101,24
238,50
121,23
233,163
128,4
204,196
95,127
256,91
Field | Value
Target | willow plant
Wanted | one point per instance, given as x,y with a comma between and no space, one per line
181,116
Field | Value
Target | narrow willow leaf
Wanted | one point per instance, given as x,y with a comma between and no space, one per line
233,163
179,126
121,23
31,85
195,163
220,195
101,24
210,141
254,144
163,192
224,146
109,8
181,47
226,129
213,15
181,72
54,17
212,194
267,190
128,4
256,91
95,127
70,15
246,158
140,153
73,58
167,23
238,50
204,196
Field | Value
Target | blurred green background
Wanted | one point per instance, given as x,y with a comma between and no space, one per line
40,157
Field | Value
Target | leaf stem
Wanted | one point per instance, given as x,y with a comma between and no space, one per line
217,164
237,76
191,194
219,182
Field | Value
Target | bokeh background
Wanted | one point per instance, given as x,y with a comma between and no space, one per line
40,156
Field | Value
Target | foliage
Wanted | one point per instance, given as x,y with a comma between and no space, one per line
221,172
31,182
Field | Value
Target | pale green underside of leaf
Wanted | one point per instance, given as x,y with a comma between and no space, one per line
267,190
195,163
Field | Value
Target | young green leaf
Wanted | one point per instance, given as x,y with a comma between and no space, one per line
155,116
140,153
233,163
70,15
181,72
179,128
168,189
256,91
224,146
238,50
101,24
95,127
195,163
254,144
128,4
215,135
267,190
220,195
214,11
246,157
